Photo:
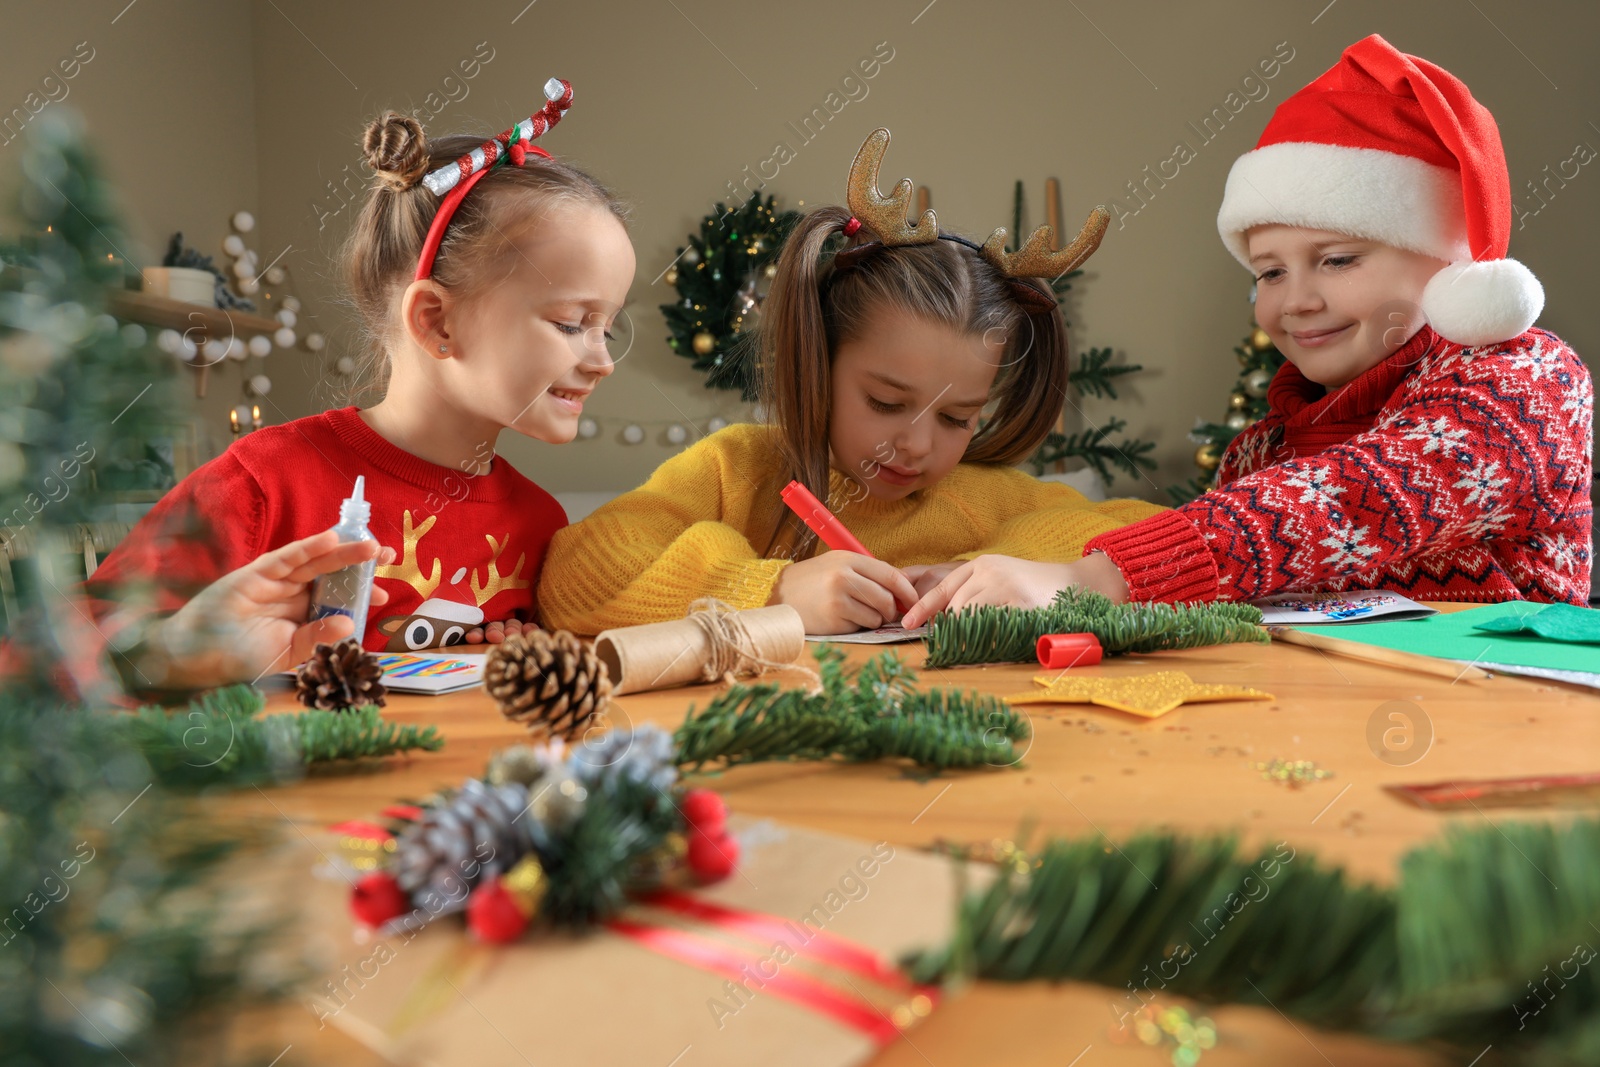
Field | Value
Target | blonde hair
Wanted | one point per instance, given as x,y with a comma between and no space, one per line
379,257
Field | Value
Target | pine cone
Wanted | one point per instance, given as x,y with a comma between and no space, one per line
459,842
547,681
340,677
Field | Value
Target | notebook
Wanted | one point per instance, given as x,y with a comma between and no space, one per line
415,672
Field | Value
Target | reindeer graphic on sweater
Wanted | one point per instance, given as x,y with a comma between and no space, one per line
443,620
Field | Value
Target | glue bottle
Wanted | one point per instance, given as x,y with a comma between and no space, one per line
348,591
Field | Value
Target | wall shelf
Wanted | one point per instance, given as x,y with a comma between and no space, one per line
195,321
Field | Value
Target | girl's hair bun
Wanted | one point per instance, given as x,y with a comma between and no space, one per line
395,147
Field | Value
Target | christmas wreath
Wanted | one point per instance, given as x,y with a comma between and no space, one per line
722,276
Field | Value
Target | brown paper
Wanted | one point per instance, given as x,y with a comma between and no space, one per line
661,655
442,1000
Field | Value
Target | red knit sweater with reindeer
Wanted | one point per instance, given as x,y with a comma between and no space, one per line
468,547
1443,472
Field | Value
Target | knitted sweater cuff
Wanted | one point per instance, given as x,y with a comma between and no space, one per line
1161,558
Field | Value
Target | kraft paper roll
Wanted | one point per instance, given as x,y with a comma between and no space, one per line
712,642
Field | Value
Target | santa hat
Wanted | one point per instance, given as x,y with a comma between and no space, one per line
1392,148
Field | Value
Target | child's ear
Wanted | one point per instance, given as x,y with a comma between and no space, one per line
424,309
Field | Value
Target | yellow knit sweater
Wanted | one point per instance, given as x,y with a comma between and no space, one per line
697,528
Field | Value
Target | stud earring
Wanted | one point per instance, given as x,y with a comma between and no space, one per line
444,348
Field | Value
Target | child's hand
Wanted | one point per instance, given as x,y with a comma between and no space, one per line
496,632
840,592
925,576
1017,583
252,620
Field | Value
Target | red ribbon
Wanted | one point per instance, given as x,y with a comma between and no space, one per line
819,946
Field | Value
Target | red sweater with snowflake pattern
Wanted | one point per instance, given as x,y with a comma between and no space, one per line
468,549
1445,473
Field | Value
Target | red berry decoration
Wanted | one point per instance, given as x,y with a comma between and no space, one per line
494,914
712,857
704,811
377,898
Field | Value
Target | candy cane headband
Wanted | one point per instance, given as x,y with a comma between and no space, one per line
455,180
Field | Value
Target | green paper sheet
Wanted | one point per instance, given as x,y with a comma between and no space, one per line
1453,635
1554,622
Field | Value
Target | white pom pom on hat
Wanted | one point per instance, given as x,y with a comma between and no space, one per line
1395,149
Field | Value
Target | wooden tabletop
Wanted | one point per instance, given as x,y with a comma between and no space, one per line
1087,771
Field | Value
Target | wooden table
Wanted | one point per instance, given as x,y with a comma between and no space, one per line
1089,771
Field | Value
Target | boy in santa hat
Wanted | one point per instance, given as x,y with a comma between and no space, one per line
1423,436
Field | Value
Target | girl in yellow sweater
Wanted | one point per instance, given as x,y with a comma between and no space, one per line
878,354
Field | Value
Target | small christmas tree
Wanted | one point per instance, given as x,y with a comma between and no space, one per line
1259,360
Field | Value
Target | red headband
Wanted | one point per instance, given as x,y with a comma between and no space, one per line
513,146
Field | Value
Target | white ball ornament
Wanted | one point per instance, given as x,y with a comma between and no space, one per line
715,423
286,317
186,349
587,428
345,365
676,434
133,335
275,276
249,287
169,341
243,269
633,434
237,350
288,303
315,342
284,338
214,351
243,221
233,244
260,346
260,385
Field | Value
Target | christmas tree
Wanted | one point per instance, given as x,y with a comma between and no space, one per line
120,893
1259,360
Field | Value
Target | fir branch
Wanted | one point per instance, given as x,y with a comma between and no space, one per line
1096,449
220,738
990,634
1094,375
1486,929
876,713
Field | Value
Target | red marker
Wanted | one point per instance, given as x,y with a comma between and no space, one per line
825,523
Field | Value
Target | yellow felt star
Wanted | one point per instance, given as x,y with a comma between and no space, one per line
1150,695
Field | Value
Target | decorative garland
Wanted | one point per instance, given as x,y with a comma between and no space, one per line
1486,940
1010,635
869,714
722,277
220,738
564,837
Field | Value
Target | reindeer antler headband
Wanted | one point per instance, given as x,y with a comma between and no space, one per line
885,216
513,146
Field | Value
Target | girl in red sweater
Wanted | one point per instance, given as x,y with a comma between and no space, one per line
1423,436
488,276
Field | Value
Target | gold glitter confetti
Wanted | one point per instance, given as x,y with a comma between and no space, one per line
1149,695
1293,773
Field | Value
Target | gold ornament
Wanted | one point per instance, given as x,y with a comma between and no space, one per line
1257,381
671,276
1236,420
526,884
704,343
770,271
1293,773
1150,695
1208,457
1259,339
1238,401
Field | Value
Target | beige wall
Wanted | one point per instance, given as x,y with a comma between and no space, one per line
207,107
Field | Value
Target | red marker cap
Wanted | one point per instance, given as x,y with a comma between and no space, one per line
1060,651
